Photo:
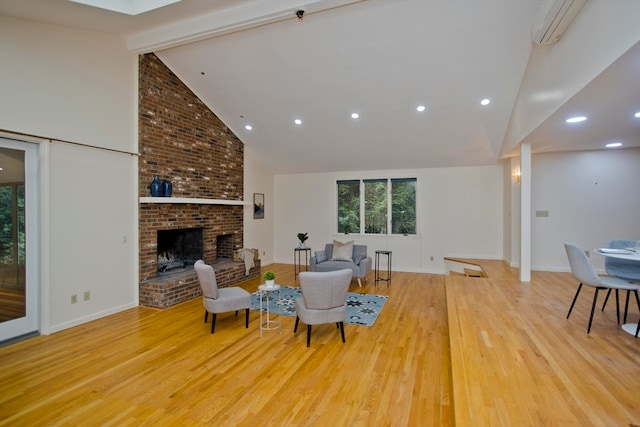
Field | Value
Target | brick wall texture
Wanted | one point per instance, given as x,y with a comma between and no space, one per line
182,141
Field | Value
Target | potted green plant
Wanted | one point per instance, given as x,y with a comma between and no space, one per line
269,278
302,237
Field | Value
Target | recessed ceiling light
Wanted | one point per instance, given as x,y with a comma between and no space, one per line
614,145
355,115
297,121
576,119
485,101
248,127
421,108
637,114
1,169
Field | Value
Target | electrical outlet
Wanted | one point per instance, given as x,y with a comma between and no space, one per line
87,295
431,258
74,299
543,214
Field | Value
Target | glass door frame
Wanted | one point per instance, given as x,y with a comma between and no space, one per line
30,323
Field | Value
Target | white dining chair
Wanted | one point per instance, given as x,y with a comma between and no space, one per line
585,274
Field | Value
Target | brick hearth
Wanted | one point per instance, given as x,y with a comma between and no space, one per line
181,140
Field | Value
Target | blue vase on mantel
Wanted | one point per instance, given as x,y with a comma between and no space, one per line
156,187
167,188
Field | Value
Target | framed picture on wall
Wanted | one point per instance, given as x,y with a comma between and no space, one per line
258,206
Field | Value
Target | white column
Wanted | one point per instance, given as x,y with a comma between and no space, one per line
525,212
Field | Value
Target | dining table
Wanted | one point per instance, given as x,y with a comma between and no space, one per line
630,254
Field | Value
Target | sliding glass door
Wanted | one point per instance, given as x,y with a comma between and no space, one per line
19,284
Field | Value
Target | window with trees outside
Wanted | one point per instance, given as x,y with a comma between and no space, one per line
377,206
12,237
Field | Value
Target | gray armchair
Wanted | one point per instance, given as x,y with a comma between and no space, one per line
359,262
324,299
220,300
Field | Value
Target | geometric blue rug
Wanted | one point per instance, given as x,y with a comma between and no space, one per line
362,309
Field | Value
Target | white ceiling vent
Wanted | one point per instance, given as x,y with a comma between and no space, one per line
555,18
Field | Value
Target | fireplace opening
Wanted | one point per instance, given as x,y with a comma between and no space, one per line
224,247
178,249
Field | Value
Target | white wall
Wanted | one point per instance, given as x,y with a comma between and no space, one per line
474,212
591,196
80,86
93,233
68,84
460,213
258,233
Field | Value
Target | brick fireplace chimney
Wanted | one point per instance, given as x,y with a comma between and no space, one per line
181,140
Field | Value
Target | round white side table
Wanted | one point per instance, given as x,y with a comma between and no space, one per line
265,297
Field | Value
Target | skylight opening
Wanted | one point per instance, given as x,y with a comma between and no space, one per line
127,7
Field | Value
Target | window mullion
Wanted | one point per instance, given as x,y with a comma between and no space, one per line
362,210
389,205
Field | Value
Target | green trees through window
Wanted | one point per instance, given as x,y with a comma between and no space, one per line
403,206
12,237
375,206
384,202
348,206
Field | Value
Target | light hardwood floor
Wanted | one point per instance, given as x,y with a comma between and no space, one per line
147,366
516,360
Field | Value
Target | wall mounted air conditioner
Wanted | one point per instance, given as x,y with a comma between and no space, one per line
555,18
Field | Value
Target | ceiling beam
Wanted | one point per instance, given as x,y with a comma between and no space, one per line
242,17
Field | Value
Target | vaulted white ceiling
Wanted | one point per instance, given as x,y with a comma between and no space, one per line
259,65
